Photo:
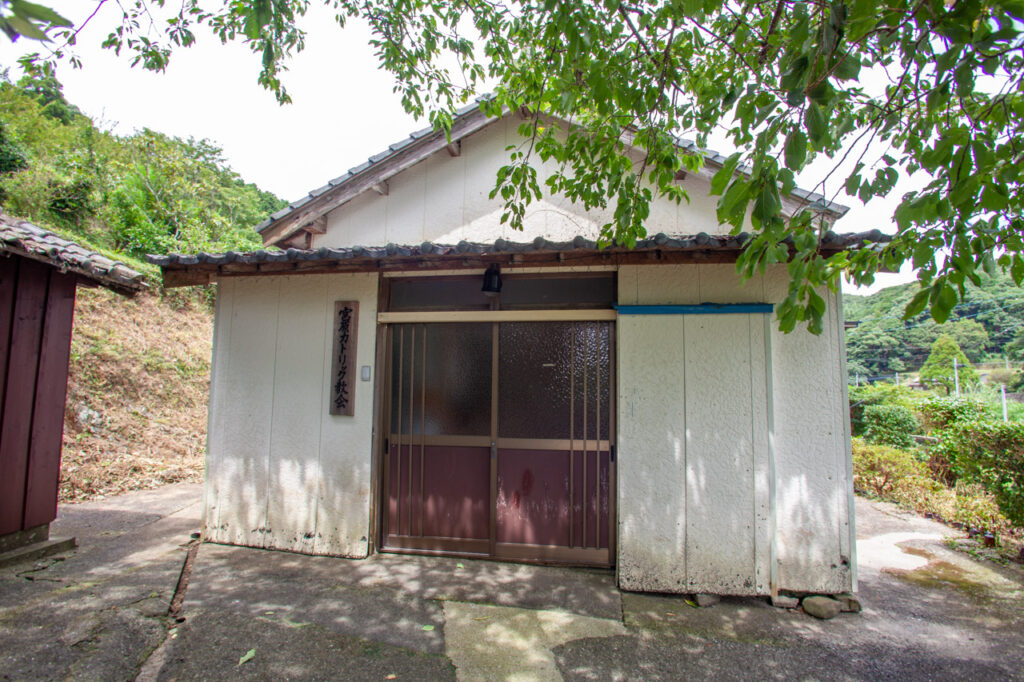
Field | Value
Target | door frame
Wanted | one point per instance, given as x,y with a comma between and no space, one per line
382,417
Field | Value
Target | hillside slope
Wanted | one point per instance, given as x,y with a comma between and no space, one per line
136,407
988,325
135,415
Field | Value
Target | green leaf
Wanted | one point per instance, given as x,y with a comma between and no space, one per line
253,29
945,61
730,98
822,93
814,119
792,79
738,194
916,305
1017,269
787,182
247,656
796,150
944,303
767,204
721,179
847,69
853,184
988,263
33,11
25,27
428,628
964,75
816,302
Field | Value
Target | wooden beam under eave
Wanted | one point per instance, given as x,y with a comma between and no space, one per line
295,241
318,226
585,315
186,277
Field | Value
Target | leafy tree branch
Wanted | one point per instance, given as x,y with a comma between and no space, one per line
914,86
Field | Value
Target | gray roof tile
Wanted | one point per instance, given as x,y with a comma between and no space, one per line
31,241
697,242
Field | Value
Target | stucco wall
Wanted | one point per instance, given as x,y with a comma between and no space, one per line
283,473
705,501
445,199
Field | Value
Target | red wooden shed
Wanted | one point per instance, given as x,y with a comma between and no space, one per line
39,272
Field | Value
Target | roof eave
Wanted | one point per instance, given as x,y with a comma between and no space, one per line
203,268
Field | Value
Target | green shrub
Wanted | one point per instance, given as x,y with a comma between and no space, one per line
940,412
897,476
862,397
1016,384
71,202
892,425
975,506
881,469
991,454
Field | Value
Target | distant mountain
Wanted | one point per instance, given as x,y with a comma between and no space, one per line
988,325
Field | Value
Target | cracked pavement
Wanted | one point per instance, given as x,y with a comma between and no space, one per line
102,611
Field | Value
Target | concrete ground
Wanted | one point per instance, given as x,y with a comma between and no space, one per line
102,612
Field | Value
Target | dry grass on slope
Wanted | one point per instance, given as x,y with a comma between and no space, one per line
137,393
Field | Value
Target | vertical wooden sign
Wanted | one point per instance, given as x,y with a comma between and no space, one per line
343,364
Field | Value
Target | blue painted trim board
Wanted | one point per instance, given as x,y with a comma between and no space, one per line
700,309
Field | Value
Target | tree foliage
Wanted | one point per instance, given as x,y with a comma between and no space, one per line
987,325
947,364
894,88
142,193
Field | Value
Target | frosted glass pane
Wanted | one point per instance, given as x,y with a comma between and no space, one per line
591,370
533,380
441,379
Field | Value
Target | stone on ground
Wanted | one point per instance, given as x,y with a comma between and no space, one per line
706,599
824,608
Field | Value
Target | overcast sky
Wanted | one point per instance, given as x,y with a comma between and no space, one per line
344,109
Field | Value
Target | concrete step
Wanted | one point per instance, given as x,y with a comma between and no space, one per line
37,550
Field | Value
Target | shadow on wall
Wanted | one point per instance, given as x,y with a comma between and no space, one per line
716,534
290,504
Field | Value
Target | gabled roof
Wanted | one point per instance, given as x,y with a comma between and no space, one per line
422,144
22,238
202,268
